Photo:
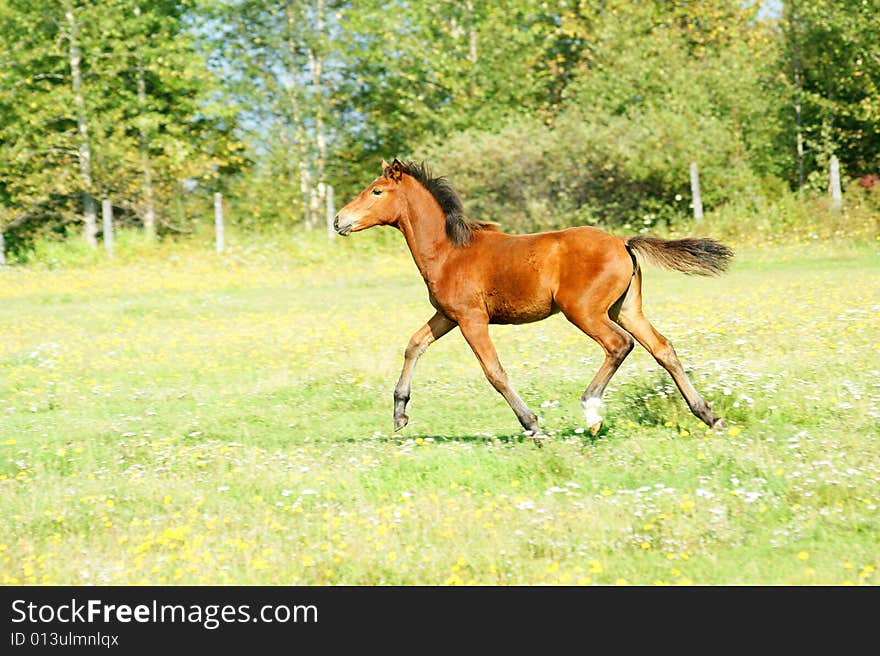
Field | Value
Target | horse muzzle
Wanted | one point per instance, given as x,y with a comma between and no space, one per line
343,225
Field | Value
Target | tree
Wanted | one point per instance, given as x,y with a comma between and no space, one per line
417,71
71,31
654,88
167,126
275,55
832,68
108,99
46,135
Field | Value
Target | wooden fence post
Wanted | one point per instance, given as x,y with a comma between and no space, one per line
834,184
107,218
331,212
314,208
695,192
218,222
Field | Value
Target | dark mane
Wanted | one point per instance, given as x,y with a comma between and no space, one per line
458,226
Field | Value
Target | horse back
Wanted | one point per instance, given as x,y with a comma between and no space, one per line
517,278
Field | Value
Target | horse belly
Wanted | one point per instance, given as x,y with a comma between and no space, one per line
505,310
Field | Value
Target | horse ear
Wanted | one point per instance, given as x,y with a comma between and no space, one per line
385,166
395,171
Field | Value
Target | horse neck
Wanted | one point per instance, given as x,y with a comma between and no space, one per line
423,225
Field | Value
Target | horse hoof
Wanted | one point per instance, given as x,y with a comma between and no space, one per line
400,422
538,438
718,424
537,435
594,429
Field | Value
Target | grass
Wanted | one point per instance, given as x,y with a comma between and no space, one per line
176,418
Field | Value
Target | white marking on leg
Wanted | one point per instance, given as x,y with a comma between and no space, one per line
592,407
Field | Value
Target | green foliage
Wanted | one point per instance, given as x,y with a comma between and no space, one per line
789,217
831,64
542,114
145,93
532,176
130,245
425,69
652,98
275,58
172,125
38,150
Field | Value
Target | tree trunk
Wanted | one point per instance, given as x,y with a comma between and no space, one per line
316,64
2,249
799,133
798,92
472,46
305,190
331,212
90,209
144,146
299,133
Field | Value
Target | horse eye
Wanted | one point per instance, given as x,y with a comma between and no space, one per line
377,192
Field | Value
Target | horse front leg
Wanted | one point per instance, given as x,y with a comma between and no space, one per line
437,326
476,333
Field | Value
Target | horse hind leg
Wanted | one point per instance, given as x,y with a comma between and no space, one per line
628,314
617,344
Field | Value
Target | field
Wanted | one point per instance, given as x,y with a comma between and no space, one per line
185,419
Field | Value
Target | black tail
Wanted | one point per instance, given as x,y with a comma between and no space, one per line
702,257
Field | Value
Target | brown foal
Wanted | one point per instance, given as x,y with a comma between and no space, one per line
477,275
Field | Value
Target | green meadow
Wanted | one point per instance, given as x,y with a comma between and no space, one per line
175,417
